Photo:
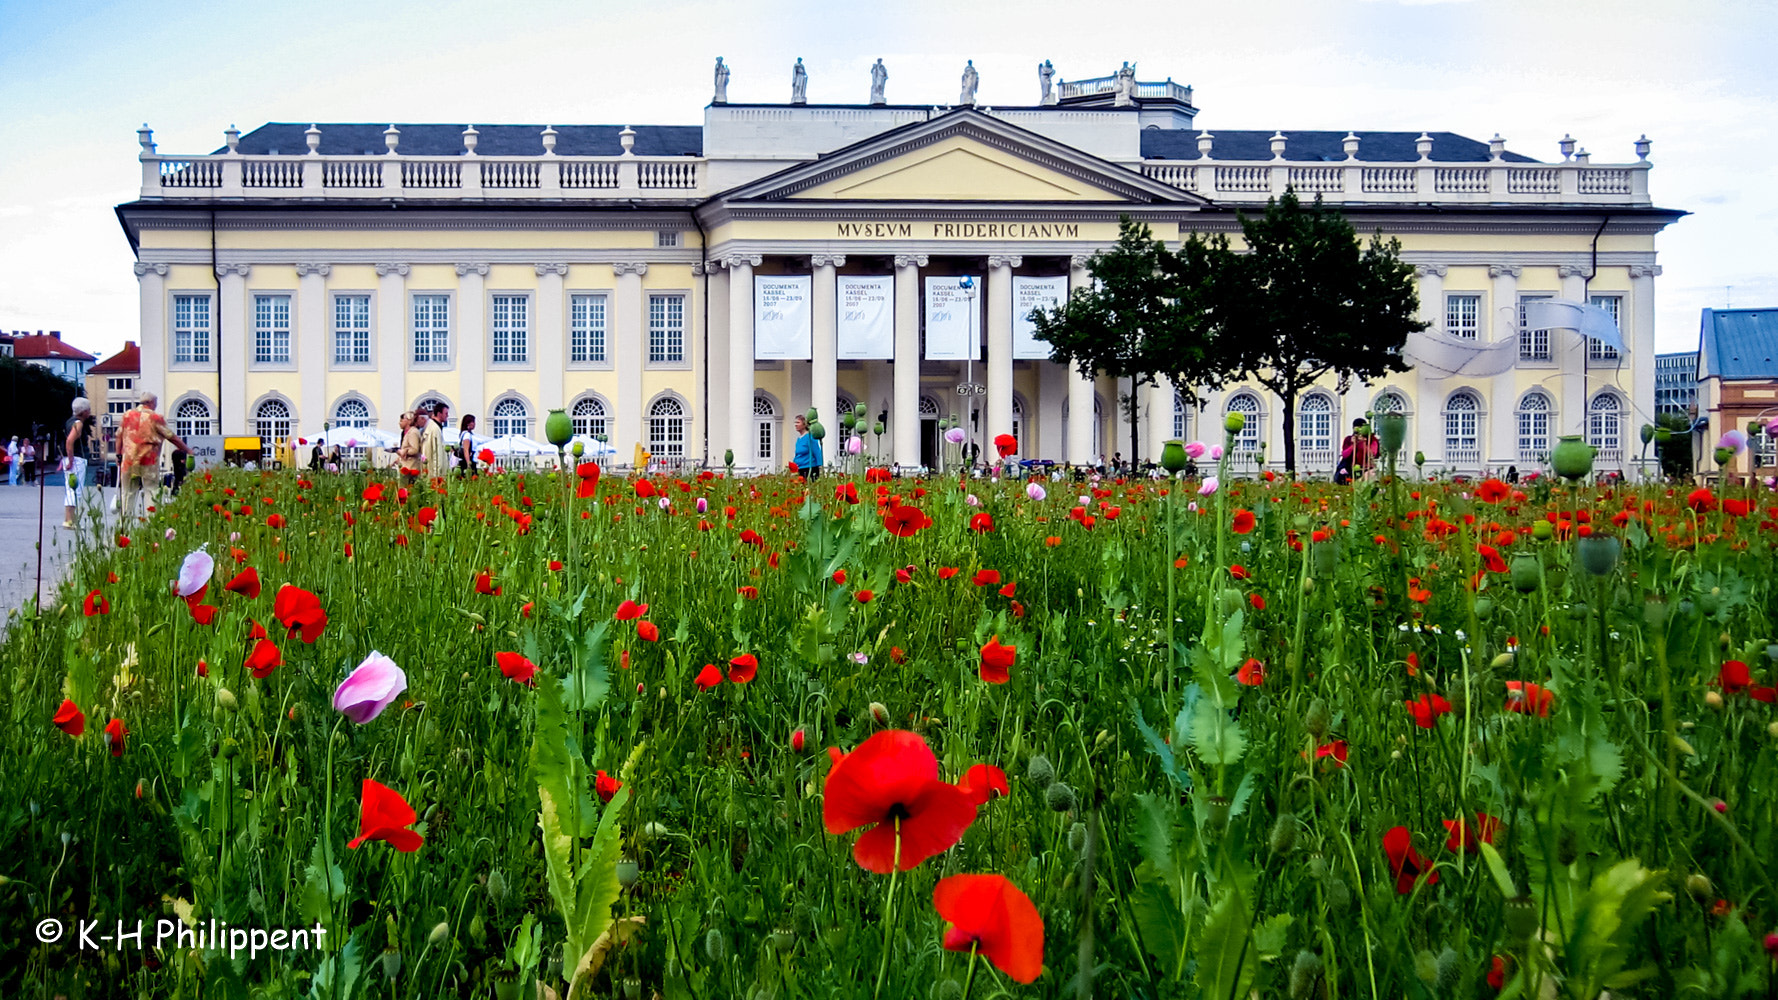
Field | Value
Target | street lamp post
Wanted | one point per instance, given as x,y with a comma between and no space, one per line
970,388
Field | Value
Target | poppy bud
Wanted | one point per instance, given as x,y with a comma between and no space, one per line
1317,719
1283,837
439,932
496,887
226,699
879,714
1229,601
1448,971
1077,837
797,741
1040,772
1308,585
1484,608
1338,896
1771,944
1520,918
1059,797
1526,571
1305,975
1772,730
1713,700
1699,887
1103,737
945,989
715,946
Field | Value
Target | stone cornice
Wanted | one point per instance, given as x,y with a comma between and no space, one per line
310,256
1645,270
466,269
1004,260
1505,271
623,267
235,268
911,260
306,268
558,268
1570,271
827,259
1430,270
733,261
386,269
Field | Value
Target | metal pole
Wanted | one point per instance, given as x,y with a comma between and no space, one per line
40,479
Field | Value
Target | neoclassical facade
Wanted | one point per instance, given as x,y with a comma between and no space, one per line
688,288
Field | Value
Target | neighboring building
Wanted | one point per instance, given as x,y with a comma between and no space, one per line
1676,382
687,289
1738,384
47,351
5,345
111,386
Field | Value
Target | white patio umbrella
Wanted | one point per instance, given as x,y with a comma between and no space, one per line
514,444
359,437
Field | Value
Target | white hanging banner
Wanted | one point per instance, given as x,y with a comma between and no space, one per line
781,320
950,319
867,317
1028,295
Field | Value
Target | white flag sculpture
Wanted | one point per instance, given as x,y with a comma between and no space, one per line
1589,321
1445,356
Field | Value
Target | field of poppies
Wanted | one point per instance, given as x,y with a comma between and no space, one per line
575,736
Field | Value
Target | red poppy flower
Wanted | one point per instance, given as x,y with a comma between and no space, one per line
708,677
204,671
990,915
1337,750
1252,673
123,541
1405,863
301,613
96,604
484,584
1427,708
1239,572
897,655
904,575
275,521
864,596
1006,444
1497,971
946,572
1735,508
606,786
1701,500
839,577
1467,837
997,661
904,521
981,522
373,492
1258,602
1491,558
644,488
984,782
384,815
1243,522
1528,698
986,577
516,667
890,784
115,731
203,614
588,475
748,592
245,583
264,659
69,718
1734,677
847,492
648,631
257,632
1492,491
743,668
1009,590
630,611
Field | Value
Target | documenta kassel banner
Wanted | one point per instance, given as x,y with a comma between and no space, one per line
867,317
951,327
781,329
1029,294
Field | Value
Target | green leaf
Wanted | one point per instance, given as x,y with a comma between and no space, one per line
1497,868
1159,923
1154,832
587,682
1216,737
320,890
1159,748
599,888
1226,963
337,977
1272,934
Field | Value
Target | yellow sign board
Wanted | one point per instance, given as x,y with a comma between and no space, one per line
240,444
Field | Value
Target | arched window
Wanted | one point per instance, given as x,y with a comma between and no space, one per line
272,423
666,429
351,413
192,419
1018,427
1391,401
765,428
511,417
1535,415
928,408
589,417
842,405
1246,404
1179,416
1315,430
1463,429
1605,426
429,403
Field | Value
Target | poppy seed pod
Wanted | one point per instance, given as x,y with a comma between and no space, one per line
715,946
1484,608
1173,456
1392,430
1324,556
557,428
1305,975
1234,422
1317,719
1526,572
1059,797
1520,918
1543,531
1572,457
1217,813
1598,554
1040,772
1283,837
945,989
1077,837
627,872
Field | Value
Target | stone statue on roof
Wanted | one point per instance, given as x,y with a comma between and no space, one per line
1045,73
971,79
879,77
799,83
721,83
1126,86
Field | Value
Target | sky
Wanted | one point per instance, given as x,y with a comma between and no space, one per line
78,77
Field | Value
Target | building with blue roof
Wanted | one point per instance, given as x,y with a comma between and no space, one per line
1738,383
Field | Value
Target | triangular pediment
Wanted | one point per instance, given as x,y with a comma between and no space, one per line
962,156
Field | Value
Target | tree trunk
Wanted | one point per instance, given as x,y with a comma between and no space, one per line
1135,420
1288,402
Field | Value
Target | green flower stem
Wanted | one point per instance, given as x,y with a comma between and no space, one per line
889,910
969,977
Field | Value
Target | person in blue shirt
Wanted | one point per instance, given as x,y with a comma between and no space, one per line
808,449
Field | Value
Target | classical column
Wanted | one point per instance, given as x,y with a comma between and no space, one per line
552,359
1160,420
740,358
1569,350
1502,401
824,376
999,293
472,349
628,342
152,286
1080,390
1639,337
904,416
235,347
392,352
311,348
1428,431
717,358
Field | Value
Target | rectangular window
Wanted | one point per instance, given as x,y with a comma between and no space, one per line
351,330
1612,304
586,328
1463,316
432,329
191,329
666,328
511,331
666,238
117,406
120,384
271,329
1534,345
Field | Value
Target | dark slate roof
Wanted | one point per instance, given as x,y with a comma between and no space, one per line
1741,343
348,139
1316,147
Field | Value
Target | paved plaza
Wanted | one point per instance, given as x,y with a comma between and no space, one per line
20,536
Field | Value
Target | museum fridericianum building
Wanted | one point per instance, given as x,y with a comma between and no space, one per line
688,289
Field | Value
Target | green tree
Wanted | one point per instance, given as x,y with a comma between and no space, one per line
1676,453
1307,299
38,401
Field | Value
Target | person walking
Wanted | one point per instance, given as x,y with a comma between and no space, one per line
1358,452
30,457
15,457
432,446
139,439
79,447
808,449
466,445
408,455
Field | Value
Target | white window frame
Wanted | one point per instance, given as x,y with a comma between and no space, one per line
509,342
182,422
1252,431
1601,353
339,420
766,424
499,424
587,424
1306,439
589,329
665,442
1463,315
437,332
1463,439
193,343
356,339
1607,437
268,442
271,334
1534,345
1533,444
666,342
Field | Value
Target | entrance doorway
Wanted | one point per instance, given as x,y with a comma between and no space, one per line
929,440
